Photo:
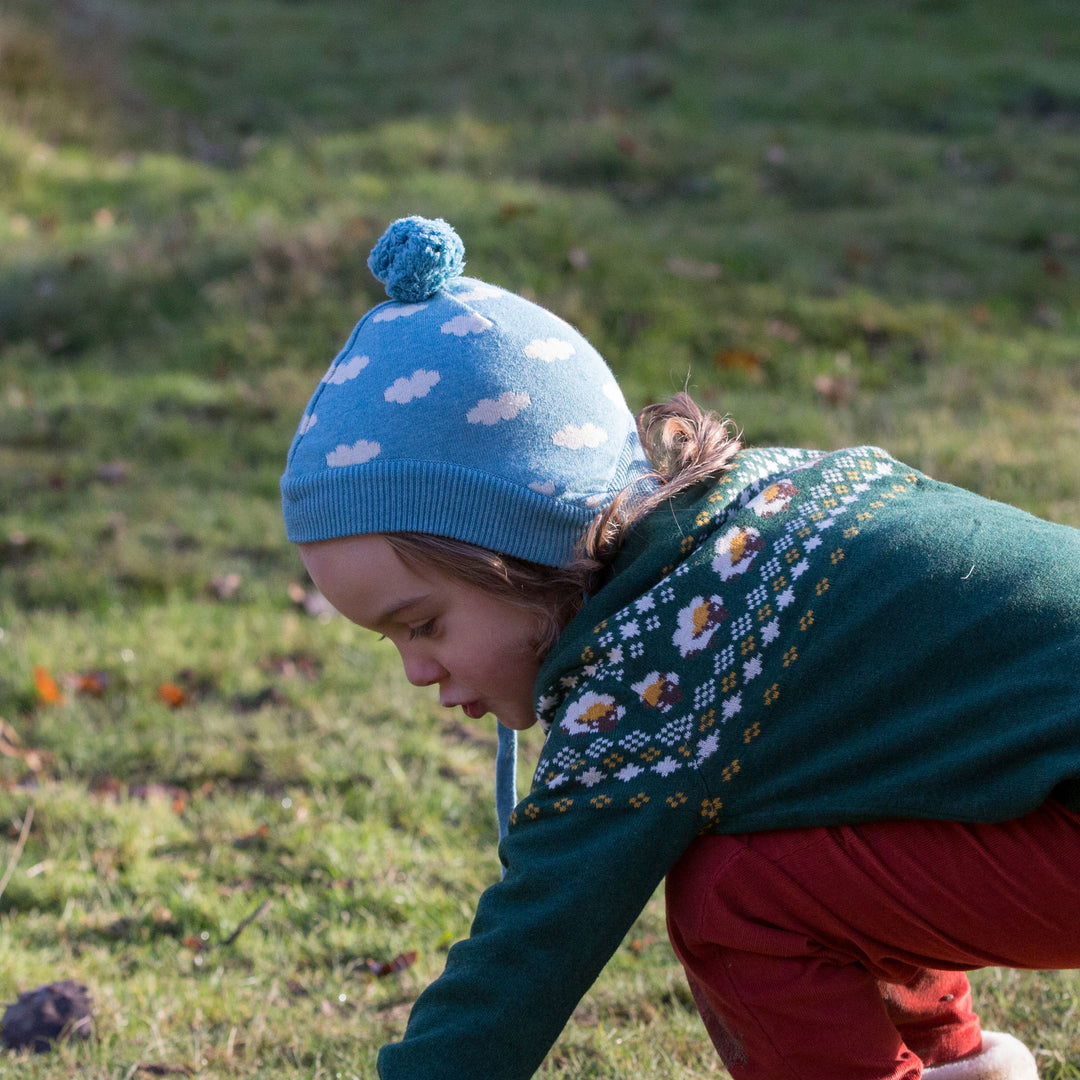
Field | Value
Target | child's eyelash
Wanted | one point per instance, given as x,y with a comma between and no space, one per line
422,630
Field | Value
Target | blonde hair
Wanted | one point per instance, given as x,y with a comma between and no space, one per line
685,445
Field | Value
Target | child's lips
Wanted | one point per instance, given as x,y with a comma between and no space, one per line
473,709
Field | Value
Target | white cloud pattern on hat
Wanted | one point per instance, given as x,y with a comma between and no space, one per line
479,291
357,454
611,391
549,349
490,411
575,437
460,325
344,370
417,385
396,311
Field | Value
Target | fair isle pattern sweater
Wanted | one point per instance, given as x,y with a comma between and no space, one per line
817,639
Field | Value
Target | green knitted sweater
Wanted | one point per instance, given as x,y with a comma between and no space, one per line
816,639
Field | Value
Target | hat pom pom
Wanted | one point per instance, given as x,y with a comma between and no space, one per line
416,257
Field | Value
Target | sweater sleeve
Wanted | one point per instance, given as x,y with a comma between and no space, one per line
580,866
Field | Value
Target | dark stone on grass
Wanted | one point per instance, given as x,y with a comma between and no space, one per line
45,1014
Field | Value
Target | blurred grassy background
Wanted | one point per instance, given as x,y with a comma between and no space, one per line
837,222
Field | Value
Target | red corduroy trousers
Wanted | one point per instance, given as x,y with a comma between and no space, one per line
839,953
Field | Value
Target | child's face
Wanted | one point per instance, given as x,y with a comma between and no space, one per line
477,649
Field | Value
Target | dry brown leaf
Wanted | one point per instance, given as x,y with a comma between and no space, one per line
740,360
380,969
48,690
173,695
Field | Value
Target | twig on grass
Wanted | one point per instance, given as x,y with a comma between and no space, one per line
246,923
17,851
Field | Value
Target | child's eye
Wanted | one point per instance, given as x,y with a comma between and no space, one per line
423,630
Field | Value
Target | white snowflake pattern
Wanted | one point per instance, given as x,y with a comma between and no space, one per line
599,747
566,758
634,741
676,731
724,659
731,707
704,694
757,596
752,668
707,747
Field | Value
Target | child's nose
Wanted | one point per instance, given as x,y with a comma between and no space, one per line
423,670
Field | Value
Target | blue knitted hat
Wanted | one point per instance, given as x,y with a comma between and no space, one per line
461,410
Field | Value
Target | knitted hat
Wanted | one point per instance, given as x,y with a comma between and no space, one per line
461,410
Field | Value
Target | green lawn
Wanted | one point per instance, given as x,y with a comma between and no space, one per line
837,222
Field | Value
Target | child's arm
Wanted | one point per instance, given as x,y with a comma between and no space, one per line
576,879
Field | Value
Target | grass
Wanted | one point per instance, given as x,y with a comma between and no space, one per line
839,223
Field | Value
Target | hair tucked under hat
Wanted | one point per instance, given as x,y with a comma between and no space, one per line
459,409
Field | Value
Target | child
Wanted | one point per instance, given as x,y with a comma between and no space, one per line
834,702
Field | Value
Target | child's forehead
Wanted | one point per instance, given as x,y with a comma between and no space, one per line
365,578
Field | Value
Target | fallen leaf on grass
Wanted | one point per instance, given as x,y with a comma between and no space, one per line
114,472
224,586
836,389
177,796
785,331
510,211
91,683
48,690
311,601
578,258
740,360
1055,267
854,255
292,665
35,760
173,695
380,969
